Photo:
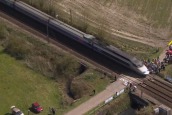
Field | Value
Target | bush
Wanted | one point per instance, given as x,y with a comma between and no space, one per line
79,88
17,48
145,111
65,67
114,108
41,65
3,32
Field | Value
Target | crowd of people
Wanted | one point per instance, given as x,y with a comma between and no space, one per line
155,65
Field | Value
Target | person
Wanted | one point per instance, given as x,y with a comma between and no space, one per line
162,66
115,78
134,88
166,59
131,84
53,111
94,91
148,60
170,47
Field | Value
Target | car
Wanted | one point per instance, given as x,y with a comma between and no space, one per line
36,107
16,111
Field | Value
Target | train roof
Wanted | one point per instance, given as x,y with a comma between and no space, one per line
116,50
67,27
114,55
123,54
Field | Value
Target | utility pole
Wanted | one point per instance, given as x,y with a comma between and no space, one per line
48,29
31,2
70,15
50,5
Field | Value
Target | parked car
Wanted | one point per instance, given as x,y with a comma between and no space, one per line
16,111
36,107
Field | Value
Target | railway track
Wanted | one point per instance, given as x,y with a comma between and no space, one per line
155,87
158,89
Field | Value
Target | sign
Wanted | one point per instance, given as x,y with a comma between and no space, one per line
108,100
120,92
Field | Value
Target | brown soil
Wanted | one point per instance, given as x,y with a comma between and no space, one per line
117,21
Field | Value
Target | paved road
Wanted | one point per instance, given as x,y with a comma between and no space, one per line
97,99
162,55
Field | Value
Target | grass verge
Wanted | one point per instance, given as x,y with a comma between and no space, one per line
21,86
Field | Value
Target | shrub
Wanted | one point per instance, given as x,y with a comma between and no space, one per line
79,88
17,48
145,111
40,64
113,107
65,67
3,32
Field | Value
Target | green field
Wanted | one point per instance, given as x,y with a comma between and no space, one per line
21,86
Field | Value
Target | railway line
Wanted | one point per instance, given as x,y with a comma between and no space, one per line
157,88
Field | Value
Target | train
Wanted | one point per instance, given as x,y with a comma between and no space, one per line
85,39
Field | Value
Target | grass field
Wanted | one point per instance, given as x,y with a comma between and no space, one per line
157,11
21,86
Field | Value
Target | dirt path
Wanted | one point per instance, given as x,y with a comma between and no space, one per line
162,55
